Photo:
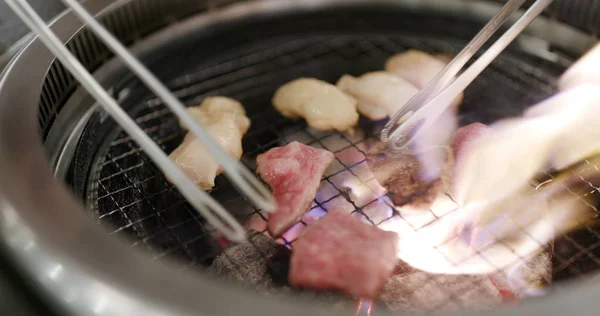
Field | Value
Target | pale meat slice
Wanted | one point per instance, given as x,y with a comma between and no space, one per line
419,68
339,252
322,104
445,58
213,107
379,94
294,173
225,120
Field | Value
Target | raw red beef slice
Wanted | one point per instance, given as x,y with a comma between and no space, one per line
339,252
465,135
294,173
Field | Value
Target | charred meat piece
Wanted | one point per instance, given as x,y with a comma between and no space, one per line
339,252
294,173
402,174
322,104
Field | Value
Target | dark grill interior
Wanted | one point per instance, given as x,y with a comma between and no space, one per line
129,194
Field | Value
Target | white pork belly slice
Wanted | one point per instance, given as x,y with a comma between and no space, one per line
339,252
294,173
380,94
322,104
225,120
419,68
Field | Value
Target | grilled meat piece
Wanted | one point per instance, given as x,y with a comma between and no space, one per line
402,174
225,120
419,68
343,253
294,173
322,104
379,94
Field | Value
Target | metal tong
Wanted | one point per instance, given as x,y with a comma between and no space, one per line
243,179
422,111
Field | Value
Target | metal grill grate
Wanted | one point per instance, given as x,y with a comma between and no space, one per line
132,197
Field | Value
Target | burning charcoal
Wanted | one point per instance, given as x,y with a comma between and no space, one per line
532,277
415,290
339,252
421,291
419,68
249,262
402,173
538,271
265,264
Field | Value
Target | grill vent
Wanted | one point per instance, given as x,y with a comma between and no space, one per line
133,20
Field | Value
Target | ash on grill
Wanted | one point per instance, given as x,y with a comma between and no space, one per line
414,290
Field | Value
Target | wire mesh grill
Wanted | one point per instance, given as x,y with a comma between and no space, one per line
132,197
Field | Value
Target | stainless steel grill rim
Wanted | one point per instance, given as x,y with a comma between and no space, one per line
90,235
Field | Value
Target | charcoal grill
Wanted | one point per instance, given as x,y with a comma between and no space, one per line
97,227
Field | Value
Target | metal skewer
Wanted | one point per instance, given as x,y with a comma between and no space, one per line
245,181
425,107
